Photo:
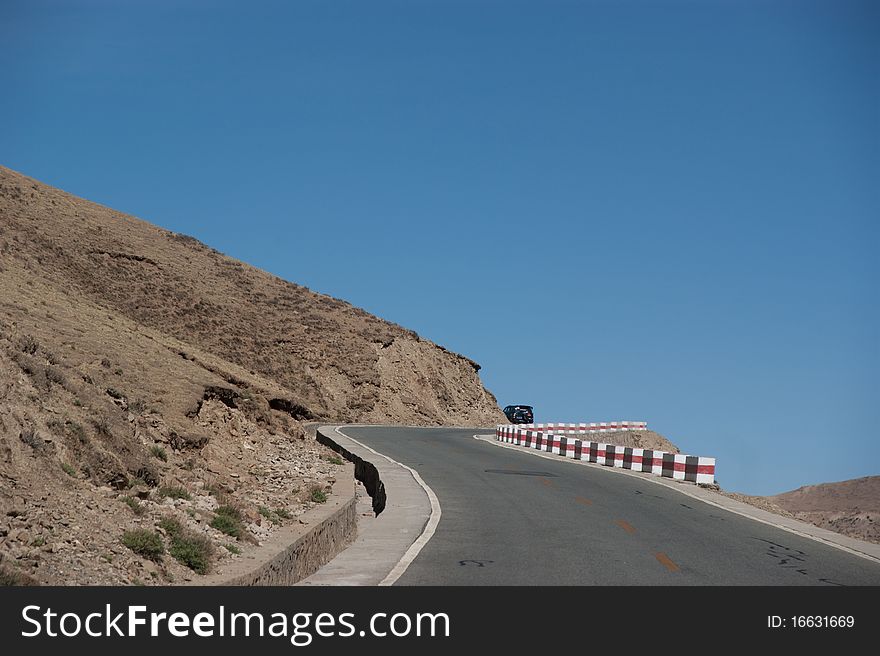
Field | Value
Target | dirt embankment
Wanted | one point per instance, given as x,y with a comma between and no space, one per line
848,507
152,392
641,439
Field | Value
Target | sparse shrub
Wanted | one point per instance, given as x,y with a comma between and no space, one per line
114,394
137,406
188,547
317,494
336,460
145,543
231,548
228,525
148,475
77,431
55,375
105,363
134,504
215,490
9,576
135,481
227,519
27,344
170,526
102,426
265,512
283,513
29,366
29,436
118,372
230,510
158,452
70,470
173,492
77,403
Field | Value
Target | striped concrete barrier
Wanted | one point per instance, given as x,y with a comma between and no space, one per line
561,440
600,427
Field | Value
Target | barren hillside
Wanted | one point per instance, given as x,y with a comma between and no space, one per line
848,507
145,377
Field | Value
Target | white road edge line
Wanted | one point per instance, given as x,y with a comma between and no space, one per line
427,533
485,437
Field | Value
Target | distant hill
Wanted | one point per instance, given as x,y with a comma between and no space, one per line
137,365
848,507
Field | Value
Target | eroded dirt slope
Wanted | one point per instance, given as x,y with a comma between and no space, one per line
848,507
147,382
327,353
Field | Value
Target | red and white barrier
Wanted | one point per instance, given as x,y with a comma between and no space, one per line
601,427
561,439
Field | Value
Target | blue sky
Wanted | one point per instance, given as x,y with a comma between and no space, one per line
659,211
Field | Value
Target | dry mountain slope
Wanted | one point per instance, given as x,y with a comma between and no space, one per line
848,507
148,382
336,360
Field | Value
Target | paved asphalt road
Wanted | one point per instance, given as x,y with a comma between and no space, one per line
510,518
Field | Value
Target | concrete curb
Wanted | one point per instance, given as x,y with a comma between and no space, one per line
364,470
294,552
385,543
867,550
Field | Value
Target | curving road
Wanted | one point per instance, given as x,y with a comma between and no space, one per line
510,518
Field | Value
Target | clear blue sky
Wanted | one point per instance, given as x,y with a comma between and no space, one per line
659,211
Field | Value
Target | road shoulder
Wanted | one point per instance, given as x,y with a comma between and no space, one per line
385,544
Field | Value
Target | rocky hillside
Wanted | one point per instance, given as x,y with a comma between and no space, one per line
149,382
848,507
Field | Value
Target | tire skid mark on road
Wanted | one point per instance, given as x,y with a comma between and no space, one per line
583,501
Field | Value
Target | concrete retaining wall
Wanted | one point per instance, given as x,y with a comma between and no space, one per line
305,556
696,469
296,551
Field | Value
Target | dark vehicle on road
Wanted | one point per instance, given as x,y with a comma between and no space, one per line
519,414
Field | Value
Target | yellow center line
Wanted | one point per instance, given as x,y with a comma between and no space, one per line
666,561
626,526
